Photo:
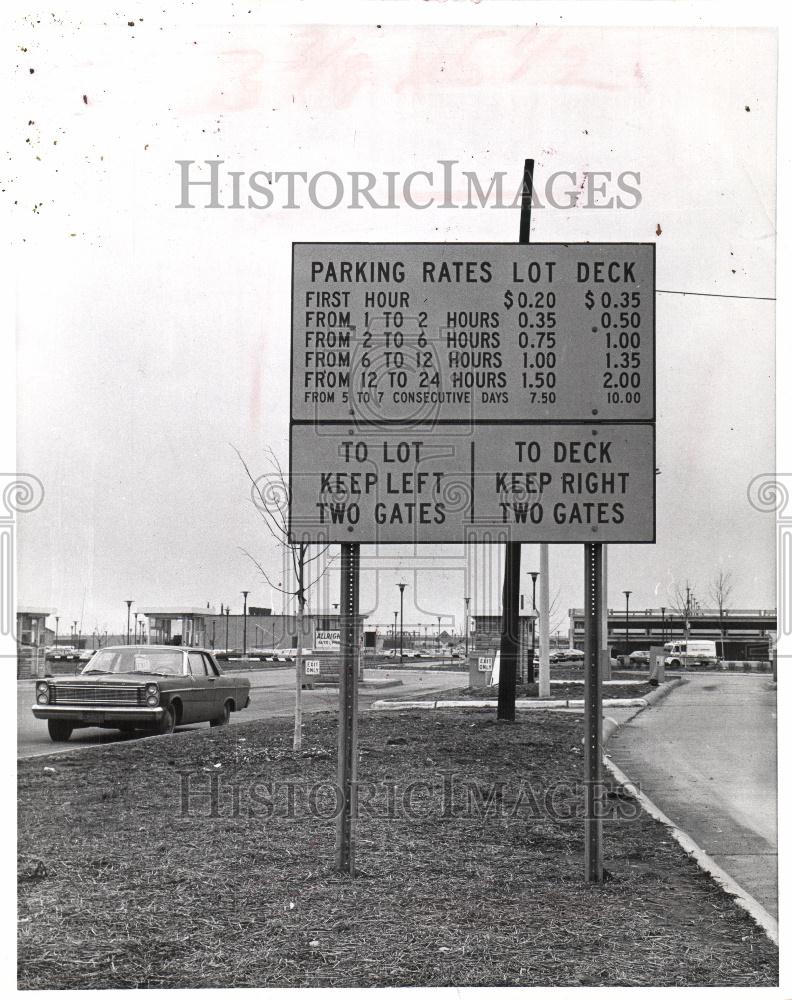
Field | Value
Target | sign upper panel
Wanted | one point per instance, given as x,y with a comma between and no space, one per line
467,332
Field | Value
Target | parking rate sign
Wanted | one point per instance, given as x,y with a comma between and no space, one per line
424,332
471,392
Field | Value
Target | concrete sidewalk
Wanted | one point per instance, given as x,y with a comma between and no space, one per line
708,761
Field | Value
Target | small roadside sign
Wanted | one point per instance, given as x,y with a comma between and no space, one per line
328,639
311,667
485,663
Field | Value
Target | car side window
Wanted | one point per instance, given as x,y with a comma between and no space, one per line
211,669
197,665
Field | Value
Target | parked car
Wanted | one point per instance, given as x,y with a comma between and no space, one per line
153,688
640,656
570,655
62,653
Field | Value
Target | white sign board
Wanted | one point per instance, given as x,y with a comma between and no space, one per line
327,639
311,667
485,663
472,393
539,483
456,331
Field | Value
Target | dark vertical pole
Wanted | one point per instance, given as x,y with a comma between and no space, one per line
347,709
627,628
531,672
244,623
401,620
592,713
510,640
510,628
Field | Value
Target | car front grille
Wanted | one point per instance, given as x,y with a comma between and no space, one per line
97,694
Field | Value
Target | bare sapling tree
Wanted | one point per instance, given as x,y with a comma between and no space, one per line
683,603
270,495
720,592
555,614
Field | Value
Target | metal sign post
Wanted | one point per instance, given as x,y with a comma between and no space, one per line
592,714
347,708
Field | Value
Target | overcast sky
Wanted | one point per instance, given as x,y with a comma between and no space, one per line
152,339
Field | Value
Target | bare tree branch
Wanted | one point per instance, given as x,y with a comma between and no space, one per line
257,564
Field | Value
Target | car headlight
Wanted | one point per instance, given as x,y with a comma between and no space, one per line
42,693
152,695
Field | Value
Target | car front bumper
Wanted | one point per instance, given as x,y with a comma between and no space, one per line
98,713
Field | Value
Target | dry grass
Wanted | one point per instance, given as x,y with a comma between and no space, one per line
119,889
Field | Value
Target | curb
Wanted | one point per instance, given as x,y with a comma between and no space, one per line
663,691
753,907
521,704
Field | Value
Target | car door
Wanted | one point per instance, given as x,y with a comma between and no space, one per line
198,693
216,688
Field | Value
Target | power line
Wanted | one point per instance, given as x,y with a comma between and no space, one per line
718,295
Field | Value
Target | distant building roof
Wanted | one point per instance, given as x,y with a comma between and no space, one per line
36,612
178,612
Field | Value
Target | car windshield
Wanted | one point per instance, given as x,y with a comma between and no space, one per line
164,662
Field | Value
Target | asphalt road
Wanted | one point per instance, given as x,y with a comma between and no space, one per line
706,756
272,697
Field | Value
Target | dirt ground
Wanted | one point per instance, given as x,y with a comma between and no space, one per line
569,690
205,859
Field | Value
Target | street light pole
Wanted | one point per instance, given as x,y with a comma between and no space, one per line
467,624
244,623
129,615
401,630
627,626
227,613
57,620
662,613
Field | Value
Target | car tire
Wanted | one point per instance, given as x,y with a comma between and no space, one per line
167,723
60,730
222,720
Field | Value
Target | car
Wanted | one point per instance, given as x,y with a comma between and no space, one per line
62,653
640,656
570,655
150,688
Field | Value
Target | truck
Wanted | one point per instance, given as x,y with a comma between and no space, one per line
692,653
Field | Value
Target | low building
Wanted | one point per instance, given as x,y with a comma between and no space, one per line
740,634
33,636
213,630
